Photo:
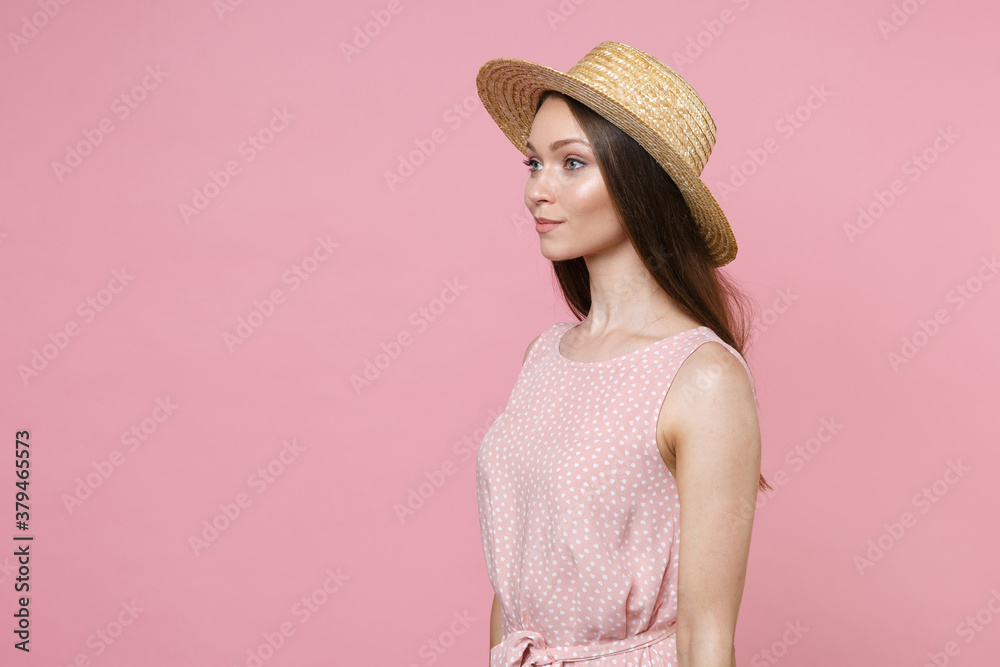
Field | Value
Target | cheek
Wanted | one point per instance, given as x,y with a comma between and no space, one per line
588,196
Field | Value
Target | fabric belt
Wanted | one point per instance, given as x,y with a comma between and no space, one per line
528,648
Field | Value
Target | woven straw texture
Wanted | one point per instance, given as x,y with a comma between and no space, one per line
645,98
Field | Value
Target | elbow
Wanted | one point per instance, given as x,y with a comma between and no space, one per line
705,648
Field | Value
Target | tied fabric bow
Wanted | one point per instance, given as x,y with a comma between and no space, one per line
526,648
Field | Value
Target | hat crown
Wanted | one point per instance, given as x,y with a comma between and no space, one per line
661,99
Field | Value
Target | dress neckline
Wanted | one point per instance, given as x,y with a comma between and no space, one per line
619,358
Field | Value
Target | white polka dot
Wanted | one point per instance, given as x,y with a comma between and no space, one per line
579,513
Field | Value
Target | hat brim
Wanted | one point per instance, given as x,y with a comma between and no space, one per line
510,88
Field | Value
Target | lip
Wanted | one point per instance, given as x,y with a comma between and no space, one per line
543,225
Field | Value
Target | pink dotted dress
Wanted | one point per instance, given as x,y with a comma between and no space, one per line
580,516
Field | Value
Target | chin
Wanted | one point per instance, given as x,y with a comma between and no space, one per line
557,253
562,249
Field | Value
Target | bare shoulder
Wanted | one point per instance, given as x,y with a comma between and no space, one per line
530,345
715,373
711,393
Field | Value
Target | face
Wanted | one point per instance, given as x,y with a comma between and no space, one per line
565,185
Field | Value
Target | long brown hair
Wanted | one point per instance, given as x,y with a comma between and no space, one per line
663,233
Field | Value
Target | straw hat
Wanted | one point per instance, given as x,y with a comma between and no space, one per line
646,99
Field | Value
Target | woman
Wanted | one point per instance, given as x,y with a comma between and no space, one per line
581,480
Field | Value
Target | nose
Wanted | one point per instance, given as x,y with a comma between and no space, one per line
537,190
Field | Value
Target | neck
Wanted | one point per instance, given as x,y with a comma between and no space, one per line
626,300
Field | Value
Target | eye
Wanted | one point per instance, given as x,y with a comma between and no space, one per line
578,161
531,162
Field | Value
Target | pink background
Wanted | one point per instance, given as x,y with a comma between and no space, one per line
441,262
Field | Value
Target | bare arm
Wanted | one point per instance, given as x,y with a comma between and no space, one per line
496,633
717,444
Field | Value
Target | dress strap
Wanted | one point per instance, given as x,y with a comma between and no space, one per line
545,343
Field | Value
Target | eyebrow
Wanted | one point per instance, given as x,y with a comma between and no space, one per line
559,143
